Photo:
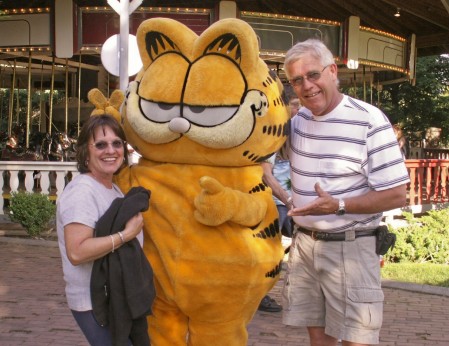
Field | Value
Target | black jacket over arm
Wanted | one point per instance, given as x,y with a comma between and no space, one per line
122,289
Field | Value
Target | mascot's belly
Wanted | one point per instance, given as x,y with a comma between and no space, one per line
202,269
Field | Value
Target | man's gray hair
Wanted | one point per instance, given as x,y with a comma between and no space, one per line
316,48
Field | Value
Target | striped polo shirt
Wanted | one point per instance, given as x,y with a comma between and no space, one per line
349,151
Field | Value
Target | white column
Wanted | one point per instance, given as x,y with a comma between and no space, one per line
124,8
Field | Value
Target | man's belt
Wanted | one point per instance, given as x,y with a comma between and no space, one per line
348,235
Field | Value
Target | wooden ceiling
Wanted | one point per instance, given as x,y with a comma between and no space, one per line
427,19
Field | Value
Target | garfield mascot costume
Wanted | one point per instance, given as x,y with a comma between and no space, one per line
203,112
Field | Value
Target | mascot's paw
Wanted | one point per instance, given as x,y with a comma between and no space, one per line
215,204
105,106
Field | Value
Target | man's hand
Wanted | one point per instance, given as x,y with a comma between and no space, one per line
368,203
324,204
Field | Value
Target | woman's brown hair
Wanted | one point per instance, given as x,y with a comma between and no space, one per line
88,132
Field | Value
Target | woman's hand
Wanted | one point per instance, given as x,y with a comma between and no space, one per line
133,227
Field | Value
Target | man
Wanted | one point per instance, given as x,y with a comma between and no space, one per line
346,169
276,174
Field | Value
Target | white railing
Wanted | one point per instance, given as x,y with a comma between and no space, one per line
47,177
428,189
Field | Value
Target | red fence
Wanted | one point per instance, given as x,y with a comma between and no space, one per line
428,181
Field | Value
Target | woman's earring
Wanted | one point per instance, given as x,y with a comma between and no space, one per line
86,163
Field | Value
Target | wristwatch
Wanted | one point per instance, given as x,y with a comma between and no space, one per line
341,208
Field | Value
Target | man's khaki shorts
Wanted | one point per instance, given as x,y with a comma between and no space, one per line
335,285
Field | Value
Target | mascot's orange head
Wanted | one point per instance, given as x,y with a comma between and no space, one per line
207,99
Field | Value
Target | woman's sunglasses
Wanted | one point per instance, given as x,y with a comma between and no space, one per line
102,145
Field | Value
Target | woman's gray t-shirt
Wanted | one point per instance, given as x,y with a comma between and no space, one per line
84,200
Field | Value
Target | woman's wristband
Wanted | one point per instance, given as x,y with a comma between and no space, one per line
113,244
121,237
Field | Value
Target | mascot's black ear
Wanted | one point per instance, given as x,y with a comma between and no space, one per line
232,38
157,36
227,45
157,43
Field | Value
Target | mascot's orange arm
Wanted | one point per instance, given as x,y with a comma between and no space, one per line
217,204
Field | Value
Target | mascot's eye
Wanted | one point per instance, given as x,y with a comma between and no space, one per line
196,109
159,112
209,116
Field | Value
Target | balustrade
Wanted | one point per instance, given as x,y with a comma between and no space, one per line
47,177
428,181
427,187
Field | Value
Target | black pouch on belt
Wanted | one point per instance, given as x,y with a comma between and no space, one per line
384,240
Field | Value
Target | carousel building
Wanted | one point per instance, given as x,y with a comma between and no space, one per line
51,56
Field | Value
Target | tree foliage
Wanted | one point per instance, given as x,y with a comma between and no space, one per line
422,105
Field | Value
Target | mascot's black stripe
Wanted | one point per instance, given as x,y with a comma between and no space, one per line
275,271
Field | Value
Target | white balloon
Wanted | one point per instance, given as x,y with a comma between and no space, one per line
110,55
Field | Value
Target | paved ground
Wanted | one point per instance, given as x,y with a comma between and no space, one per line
33,309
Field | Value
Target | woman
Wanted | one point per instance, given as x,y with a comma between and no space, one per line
402,141
101,152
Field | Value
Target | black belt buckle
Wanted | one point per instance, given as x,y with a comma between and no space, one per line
345,236
320,235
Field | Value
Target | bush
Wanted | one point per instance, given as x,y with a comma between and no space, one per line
424,239
32,210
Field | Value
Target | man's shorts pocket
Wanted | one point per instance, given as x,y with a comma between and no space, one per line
364,307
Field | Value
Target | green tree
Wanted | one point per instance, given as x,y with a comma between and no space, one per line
425,104
420,106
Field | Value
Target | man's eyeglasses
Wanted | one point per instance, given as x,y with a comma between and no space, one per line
102,145
312,76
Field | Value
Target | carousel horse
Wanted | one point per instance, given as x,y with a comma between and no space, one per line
42,146
15,148
58,147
